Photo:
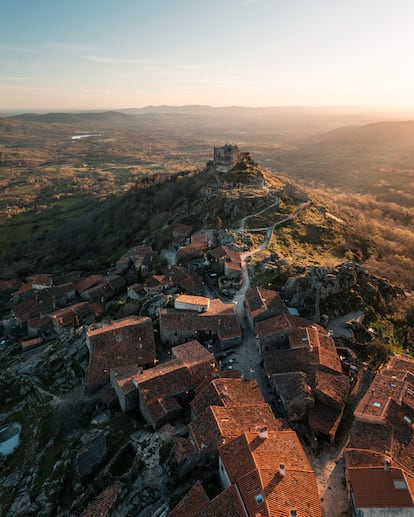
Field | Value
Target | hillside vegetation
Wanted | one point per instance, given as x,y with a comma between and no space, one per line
80,202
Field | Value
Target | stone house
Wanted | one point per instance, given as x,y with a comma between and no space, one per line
271,473
393,494
164,391
192,303
219,322
262,304
70,317
123,342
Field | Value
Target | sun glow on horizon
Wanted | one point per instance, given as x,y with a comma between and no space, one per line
249,53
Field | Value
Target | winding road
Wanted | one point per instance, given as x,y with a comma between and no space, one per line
247,356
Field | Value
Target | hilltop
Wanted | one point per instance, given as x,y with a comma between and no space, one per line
205,199
389,133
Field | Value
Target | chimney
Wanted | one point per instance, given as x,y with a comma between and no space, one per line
387,465
263,433
282,469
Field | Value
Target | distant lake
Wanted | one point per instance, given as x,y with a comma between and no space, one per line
78,137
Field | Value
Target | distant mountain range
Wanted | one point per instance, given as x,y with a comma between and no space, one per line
72,118
304,125
398,133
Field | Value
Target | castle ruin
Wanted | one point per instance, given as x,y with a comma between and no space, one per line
226,157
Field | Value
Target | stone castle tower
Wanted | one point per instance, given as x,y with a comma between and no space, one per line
226,157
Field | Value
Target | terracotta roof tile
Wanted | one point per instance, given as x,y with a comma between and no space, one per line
263,304
182,230
332,385
220,318
294,360
374,404
376,488
71,316
88,282
42,281
28,344
401,362
197,301
102,505
226,504
157,386
25,310
253,463
325,418
296,393
363,458
121,343
370,436
224,391
192,504
185,279
218,424
224,253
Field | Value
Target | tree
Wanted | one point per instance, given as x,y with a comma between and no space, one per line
379,352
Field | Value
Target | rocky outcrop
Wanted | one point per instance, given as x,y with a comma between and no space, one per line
338,290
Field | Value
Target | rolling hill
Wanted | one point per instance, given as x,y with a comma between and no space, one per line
387,133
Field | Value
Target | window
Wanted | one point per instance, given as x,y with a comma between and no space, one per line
376,404
259,499
400,484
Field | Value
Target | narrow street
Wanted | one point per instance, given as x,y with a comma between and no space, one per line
247,356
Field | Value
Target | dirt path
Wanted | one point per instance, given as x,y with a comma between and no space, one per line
330,477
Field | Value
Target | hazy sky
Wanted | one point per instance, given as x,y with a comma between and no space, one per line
105,54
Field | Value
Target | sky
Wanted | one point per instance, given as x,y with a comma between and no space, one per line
111,54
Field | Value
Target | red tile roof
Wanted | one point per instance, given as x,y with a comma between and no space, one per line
373,437
125,377
325,419
26,310
227,504
263,304
156,282
285,323
121,343
88,282
363,458
197,301
42,280
402,363
217,424
386,429
157,386
252,464
224,391
27,344
102,505
224,253
296,393
374,405
192,504
71,316
182,230
376,487
185,279
332,385
220,318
